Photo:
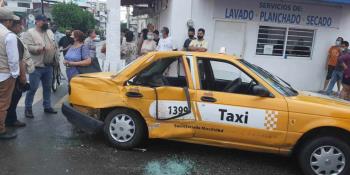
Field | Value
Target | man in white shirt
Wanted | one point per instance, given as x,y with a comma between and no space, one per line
9,67
166,43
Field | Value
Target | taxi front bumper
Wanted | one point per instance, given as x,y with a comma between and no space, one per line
81,120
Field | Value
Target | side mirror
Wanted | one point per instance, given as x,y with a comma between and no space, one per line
261,91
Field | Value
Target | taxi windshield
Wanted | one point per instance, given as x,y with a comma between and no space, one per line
276,82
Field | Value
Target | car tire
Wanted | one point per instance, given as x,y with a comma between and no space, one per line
332,147
125,129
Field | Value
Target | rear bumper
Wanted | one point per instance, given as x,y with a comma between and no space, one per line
81,120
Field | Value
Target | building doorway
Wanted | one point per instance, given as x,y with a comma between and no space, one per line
230,35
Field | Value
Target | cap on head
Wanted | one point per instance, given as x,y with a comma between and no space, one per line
6,14
41,18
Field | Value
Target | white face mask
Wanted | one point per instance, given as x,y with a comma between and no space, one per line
150,37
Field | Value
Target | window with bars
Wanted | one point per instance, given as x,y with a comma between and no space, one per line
21,4
283,41
299,42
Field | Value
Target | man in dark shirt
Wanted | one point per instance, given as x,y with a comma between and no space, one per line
191,34
66,41
156,36
337,75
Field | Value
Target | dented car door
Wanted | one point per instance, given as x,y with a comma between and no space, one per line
164,94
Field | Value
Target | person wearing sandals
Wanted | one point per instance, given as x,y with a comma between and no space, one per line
77,55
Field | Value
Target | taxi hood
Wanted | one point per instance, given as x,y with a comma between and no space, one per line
103,81
317,104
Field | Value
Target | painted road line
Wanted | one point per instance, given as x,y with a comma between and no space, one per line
38,97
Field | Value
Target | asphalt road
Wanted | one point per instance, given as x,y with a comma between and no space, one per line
51,145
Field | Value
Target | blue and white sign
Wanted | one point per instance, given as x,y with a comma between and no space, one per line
279,12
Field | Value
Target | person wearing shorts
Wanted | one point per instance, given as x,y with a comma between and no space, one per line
332,59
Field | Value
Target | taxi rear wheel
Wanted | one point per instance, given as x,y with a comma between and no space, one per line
325,156
125,129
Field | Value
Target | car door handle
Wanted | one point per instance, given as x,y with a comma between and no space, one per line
208,99
134,94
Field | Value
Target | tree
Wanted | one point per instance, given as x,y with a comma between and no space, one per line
71,16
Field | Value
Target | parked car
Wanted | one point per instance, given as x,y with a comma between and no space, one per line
212,99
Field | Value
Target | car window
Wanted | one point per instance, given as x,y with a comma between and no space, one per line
226,71
223,76
163,72
175,69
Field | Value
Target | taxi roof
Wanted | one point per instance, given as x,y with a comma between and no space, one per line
197,54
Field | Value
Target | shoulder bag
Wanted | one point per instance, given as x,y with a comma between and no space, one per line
92,68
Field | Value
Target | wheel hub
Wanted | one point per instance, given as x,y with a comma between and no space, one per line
122,128
327,160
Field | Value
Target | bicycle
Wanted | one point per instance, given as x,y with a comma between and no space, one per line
56,80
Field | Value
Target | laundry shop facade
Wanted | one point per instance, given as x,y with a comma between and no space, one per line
289,38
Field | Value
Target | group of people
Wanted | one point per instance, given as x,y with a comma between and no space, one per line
35,52
151,40
338,69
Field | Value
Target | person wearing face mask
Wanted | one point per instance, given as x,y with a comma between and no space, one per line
333,55
77,56
200,44
191,34
21,82
65,42
41,44
148,45
338,72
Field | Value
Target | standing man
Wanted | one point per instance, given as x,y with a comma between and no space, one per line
333,55
199,45
191,34
89,41
9,67
166,43
41,45
58,35
337,75
21,82
65,42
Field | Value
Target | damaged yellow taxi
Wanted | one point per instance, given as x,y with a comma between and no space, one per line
212,99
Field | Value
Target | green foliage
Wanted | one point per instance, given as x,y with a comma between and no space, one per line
71,16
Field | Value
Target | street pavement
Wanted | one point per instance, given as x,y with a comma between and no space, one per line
50,145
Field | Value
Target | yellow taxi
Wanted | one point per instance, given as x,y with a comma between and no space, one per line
212,99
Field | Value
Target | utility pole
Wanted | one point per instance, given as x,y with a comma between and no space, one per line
128,17
113,35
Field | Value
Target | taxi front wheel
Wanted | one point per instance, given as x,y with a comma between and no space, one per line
325,156
125,129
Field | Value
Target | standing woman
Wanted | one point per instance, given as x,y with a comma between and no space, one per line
345,93
77,55
148,45
129,48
